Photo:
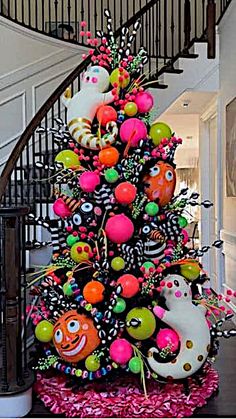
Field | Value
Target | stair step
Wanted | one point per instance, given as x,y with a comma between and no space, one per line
172,70
157,85
188,55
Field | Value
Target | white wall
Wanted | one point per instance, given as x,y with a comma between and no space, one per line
32,66
227,93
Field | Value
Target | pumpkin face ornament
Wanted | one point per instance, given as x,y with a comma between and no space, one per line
160,183
75,336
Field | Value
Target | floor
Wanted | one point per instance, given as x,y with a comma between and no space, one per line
222,405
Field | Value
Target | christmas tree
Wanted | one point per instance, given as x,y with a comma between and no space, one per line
123,293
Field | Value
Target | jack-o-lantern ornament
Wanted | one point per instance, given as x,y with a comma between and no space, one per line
160,183
75,336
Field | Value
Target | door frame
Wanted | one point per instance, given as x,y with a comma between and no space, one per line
213,111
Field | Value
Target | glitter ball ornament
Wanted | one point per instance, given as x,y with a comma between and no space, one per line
119,228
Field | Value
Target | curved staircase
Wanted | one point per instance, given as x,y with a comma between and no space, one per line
181,39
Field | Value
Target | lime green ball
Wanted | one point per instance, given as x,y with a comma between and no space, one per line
44,331
117,263
67,289
120,306
147,266
190,271
111,175
182,221
92,363
152,209
77,252
71,240
135,365
131,108
69,159
158,131
115,78
147,324
78,373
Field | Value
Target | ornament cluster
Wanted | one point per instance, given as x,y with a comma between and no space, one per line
124,290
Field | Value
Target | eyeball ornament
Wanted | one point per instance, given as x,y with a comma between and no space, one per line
75,336
160,183
189,322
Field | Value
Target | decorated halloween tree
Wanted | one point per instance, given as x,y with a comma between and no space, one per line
123,293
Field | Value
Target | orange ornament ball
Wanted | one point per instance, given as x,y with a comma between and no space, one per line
109,156
106,114
93,292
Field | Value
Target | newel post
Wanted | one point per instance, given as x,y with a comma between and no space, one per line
15,377
211,28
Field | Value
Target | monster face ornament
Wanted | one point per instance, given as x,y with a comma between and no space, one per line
75,336
160,183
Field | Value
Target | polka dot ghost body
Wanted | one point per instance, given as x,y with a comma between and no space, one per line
160,183
75,336
189,322
82,108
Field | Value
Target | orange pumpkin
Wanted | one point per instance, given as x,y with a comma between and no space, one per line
75,336
160,183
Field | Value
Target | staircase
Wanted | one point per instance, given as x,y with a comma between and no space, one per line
180,36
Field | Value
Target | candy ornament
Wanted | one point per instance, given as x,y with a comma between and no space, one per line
121,351
44,331
80,252
93,292
189,322
144,101
109,156
119,228
68,158
133,130
125,193
88,181
158,131
160,183
140,323
111,175
75,336
117,263
92,363
130,285
120,306
131,109
106,114
82,108
135,365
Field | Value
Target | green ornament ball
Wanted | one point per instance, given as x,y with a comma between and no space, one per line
44,331
182,221
71,240
147,265
135,365
147,323
92,363
152,209
67,289
120,306
111,175
117,263
158,131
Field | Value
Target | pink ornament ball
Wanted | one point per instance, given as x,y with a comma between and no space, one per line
88,181
134,130
61,209
144,101
119,228
121,351
167,337
185,236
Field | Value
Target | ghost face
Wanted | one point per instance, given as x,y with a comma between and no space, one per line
179,291
75,336
160,183
96,78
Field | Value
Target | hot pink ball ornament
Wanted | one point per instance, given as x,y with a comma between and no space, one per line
167,337
119,228
185,236
121,351
134,130
88,181
144,101
61,209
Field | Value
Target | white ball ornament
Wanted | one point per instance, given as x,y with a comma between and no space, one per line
82,108
189,322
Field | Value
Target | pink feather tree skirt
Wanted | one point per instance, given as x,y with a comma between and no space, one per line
124,397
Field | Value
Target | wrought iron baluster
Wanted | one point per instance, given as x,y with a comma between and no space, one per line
69,15
62,19
43,16
187,25
22,12
180,24
82,18
203,15
76,21
56,15
29,13
172,28
49,17
36,14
